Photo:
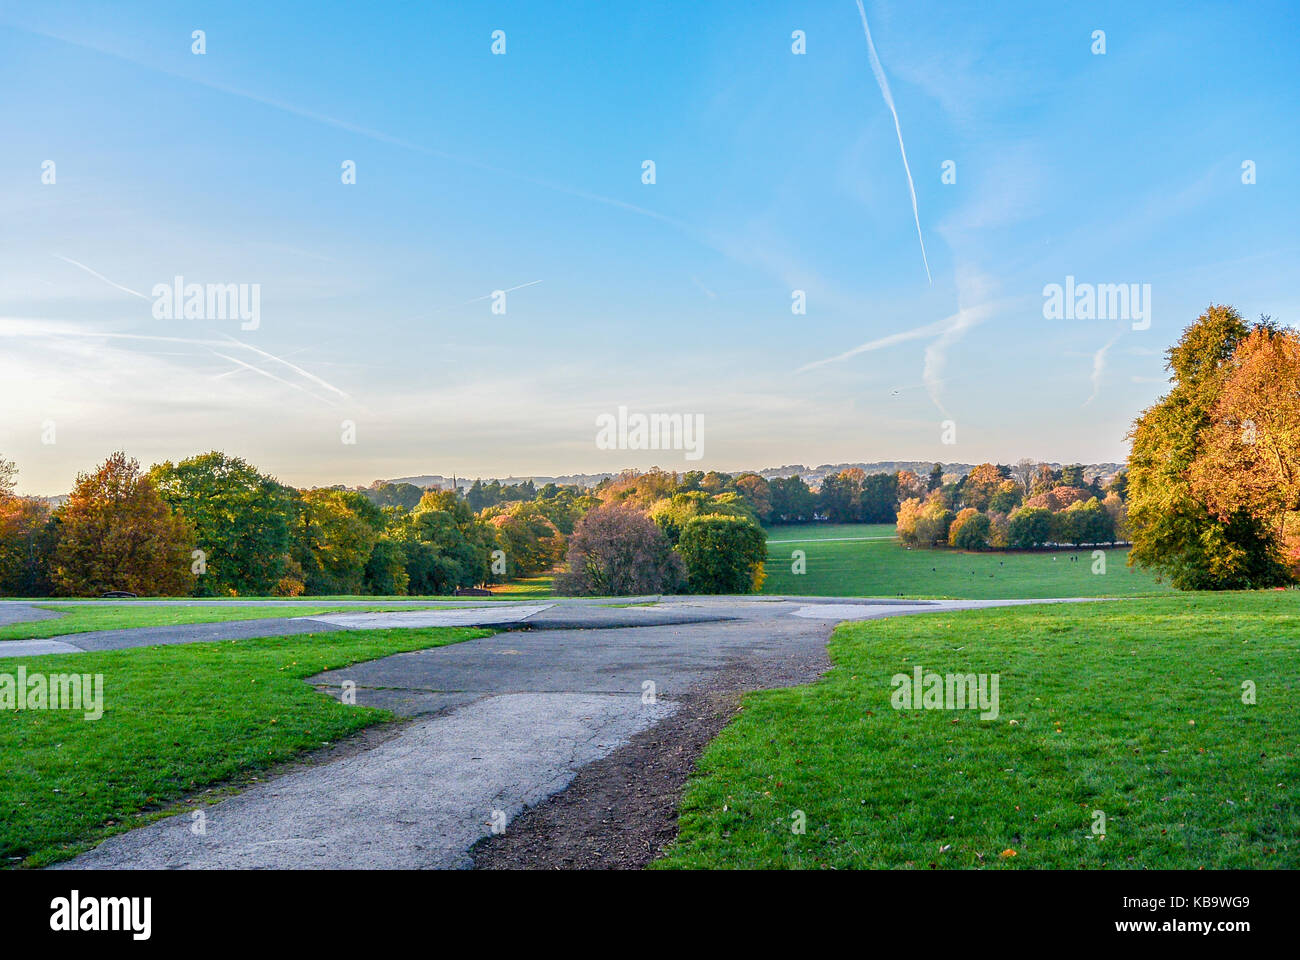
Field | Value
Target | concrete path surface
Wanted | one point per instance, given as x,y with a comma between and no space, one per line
498,724
420,800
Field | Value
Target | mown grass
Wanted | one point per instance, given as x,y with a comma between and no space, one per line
871,567
529,588
1130,707
176,719
84,618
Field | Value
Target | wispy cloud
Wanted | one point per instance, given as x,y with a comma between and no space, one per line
372,134
883,82
1099,367
936,353
49,331
305,374
902,336
100,276
268,375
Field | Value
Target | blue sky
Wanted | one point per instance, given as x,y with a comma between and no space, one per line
476,172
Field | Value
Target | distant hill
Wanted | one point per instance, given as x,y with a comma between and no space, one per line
440,482
812,475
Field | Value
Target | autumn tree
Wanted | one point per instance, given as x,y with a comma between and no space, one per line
969,530
981,484
909,513
116,533
910,486
531,542
616,550
1251,456
641,489
1173,529
26,539
758,493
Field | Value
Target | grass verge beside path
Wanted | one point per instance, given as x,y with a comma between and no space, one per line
176,719
86,618
1132,708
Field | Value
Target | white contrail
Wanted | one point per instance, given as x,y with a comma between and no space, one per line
292,366
96,273
881,342
879,71
270,376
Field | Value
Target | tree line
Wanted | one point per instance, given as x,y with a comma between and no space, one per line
1024,507
215,525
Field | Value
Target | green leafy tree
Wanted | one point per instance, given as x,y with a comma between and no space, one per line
969,530
723,554
385,574
241,520
1030,527
403,495
446,545
335,533
878,502
838,499
792,501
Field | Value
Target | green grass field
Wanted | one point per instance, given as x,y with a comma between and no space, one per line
176,719
1129,707
866,560
83,618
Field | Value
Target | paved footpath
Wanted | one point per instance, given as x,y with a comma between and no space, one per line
498,724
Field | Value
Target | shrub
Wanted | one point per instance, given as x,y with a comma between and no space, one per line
723,554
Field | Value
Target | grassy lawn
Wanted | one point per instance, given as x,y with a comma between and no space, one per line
176,719
83,618
837,567
798,533
1131,707
529,588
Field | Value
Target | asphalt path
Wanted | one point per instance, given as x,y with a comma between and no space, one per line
497,724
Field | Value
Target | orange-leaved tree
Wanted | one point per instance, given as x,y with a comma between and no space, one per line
117,533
